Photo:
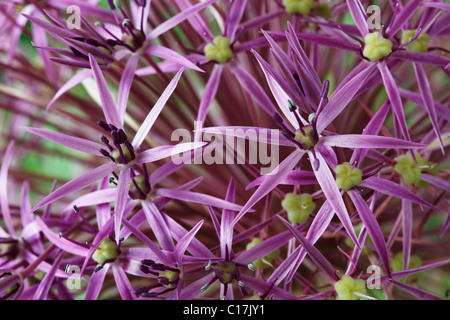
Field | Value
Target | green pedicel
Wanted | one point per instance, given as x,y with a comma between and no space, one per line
298,207
376,47
347,177
346,287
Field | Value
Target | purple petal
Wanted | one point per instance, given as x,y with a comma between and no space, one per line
93,198
159,225
443,6
249,83
123,284
273,179
394,97
234,16
419,293
403,16
66,140
79,77
146,241
61,242
46,283
359,16
109,107
169,54
4,191
373,228
125,84
368,141
422,57
296,177
156,110
393,189
175,20
209,94
407,220
186,240
428,101
95,283
121,199
315,255
342,97
225,232
78,183
196,197
196,21
333,195
162,152
436,181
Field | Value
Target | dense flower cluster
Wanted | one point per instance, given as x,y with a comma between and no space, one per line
224,149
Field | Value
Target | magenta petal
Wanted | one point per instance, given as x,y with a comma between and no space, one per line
234,16
68,141
61,242
272,180
162,152
359,16
125,84
109,107
159,225
373,228
419,293
78,183
436,181
3,189
197,198
394,97
175,20
208,95
46,283
95,283
185,241
93,198
368,141
407,221
79,77
156,110
122,282
428,101
332,193
170,55
393,189
121,199
318,258
296,177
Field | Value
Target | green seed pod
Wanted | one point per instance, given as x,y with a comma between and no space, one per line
298,207
347,177
376,47
347,286
219,50
107,251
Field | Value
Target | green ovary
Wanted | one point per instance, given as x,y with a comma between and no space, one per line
410,171
347,177
219,50
376,47
298,207
347,286
263,262
419,45
299,6
107,251
306,138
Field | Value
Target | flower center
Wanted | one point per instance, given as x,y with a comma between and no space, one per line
123,151
410,171
219,50
420,44
347,177
298,207
167,277
299,6
347,286
106,252
266,260
376,46
225,271
306,137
